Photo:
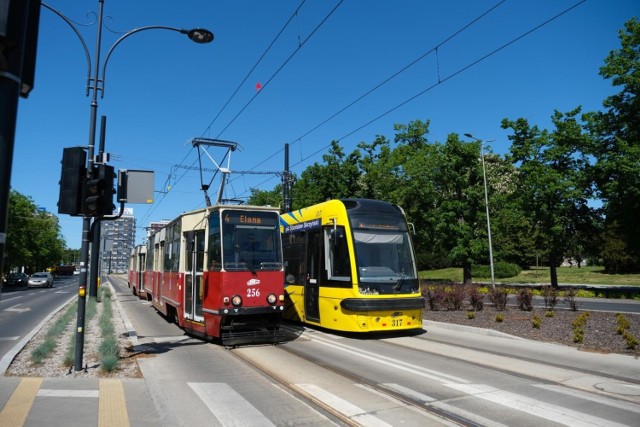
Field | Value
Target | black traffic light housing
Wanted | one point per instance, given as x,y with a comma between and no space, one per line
98,191
73,174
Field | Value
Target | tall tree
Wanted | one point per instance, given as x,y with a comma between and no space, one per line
338,178
617,150
553,185
33,237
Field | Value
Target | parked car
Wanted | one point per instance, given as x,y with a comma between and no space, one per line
41,279
15,279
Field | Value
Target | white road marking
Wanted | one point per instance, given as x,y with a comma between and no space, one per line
16,309
347,409
627,406
8,338
230,408
554,413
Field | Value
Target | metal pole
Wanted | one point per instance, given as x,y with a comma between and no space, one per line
486,204
86,221
97,225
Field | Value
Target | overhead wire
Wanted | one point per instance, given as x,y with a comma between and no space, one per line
286,61
440,81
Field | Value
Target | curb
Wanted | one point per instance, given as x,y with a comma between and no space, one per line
131,331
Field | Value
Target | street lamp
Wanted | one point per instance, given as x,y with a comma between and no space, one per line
198,35
486,204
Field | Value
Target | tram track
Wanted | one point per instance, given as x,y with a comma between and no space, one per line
437,412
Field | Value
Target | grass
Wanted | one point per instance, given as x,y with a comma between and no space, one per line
583,275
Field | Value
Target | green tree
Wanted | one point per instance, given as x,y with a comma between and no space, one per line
553,182
338,178
266,198
33,237
617,151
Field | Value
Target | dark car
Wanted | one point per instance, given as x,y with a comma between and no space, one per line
15,279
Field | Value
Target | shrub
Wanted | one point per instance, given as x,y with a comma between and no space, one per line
570,298
499,318
578,335
498,297
549,313
631,340
476,298
623,323
525,299
550,295
454,297
580,321
501,270
471,315
435,297
536,322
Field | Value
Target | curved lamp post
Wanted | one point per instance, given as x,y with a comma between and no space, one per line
486,204
197,35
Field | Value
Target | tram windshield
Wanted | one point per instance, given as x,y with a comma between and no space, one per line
251,241
384,255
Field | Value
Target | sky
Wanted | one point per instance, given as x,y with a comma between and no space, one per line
301,73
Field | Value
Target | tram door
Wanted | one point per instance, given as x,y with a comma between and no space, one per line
141,267
193,279
312,284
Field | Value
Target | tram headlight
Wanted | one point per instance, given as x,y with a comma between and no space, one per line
271,298
236,300
225,300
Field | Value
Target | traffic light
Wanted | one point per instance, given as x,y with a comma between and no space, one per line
97,192
73,172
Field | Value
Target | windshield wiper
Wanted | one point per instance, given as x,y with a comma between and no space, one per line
399,283
244,259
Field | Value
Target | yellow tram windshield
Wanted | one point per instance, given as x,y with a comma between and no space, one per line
384,255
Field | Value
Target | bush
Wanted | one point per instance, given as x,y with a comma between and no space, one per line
434,296
454,297
499,318
525,299
536,322
549,313
550,295
570,298
498,297
476,298
471,315
501,270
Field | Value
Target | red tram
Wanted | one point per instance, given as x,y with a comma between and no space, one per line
217,272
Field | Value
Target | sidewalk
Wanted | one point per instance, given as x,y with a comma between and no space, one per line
73,400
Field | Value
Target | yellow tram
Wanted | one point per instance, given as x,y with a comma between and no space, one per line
350,266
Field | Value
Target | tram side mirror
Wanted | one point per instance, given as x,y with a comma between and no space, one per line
135,186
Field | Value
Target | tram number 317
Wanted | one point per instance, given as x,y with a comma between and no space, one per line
253,292
396,322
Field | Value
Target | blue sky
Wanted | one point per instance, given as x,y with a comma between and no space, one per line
163,90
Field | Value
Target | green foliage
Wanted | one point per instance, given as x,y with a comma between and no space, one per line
33,237
471,315
549,313
501,270
499,318
623,323
630,339
536,322
616,149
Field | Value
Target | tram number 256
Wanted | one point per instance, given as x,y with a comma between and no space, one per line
253,292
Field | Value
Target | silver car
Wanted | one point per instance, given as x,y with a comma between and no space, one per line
41,279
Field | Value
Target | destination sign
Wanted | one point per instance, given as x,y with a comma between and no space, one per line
302,226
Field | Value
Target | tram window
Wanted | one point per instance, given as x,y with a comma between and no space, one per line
294,252
215,250
337,259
